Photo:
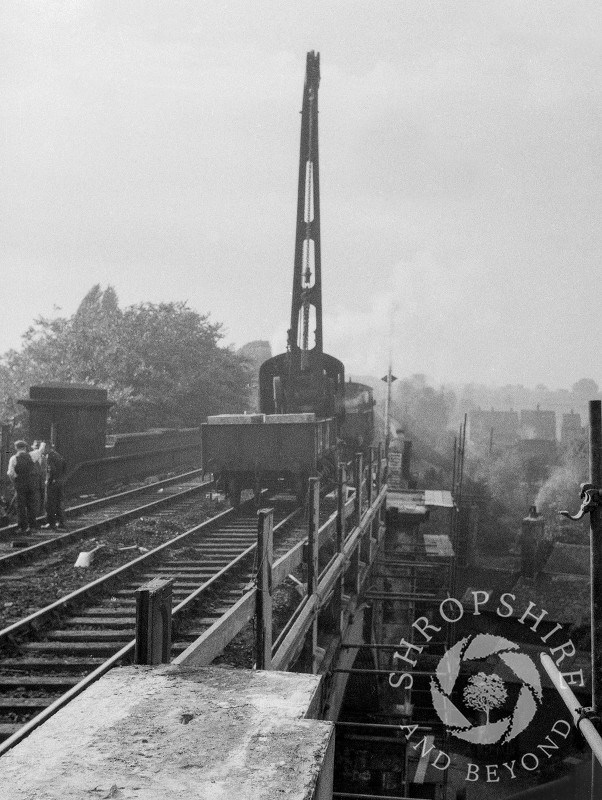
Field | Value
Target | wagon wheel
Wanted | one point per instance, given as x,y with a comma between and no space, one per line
301,487
234,491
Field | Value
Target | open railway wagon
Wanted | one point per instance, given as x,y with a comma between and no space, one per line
274,451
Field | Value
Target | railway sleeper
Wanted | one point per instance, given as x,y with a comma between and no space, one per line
7,729
189,563
129,592
104,635
112,610
81,665
11,682
85,648
112,621
16,704
230,545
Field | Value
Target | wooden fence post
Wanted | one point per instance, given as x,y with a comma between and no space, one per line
4,454
153,622
308,656
379,468
357,479
263,601
369,476
337,600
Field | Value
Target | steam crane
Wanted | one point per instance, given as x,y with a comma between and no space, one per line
305,379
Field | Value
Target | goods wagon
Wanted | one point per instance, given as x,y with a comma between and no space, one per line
278,452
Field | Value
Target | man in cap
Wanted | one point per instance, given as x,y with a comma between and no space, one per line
21,471
56,468
38,456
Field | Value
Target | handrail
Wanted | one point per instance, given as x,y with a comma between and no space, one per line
583,724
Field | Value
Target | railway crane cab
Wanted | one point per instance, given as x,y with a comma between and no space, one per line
286,388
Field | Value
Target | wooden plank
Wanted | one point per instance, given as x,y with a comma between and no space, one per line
286,652
287,563
358,466
313,533
349,506
328,529
263,596
204,649
337,601
220,634
329,578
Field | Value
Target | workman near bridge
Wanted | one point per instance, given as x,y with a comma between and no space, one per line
56,468
21,471
38,456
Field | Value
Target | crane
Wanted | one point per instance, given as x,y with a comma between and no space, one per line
304,378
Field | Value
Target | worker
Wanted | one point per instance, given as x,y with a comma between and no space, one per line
21,471
38,456
55,480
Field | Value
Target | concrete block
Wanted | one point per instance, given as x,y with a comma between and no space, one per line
235,419
276,419
169,732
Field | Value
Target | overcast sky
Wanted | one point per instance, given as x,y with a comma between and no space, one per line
153,146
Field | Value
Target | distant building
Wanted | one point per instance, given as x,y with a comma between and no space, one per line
493,429
571,430
255,353
538,424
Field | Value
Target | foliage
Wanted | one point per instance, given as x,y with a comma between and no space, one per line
161,363
505,495
561,490
587,388
485,692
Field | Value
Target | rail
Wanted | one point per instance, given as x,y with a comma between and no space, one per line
55,542
345,572
127,465
128,649
581,722
39,617
99,502
591,497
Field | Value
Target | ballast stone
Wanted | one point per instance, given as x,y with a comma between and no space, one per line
161,733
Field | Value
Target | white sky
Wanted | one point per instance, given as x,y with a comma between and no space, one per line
154,145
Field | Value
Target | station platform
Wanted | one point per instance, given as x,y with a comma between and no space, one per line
192,733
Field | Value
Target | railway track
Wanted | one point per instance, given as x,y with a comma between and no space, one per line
91,518
52,655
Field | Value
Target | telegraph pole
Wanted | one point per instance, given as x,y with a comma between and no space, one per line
388,379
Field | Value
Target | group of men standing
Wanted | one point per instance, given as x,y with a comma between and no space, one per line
38,476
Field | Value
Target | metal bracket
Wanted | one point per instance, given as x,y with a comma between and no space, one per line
587,712
591,499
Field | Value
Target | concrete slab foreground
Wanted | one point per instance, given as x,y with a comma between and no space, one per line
160,733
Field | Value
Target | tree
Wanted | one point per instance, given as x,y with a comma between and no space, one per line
561,490
485,692
162,364
586,388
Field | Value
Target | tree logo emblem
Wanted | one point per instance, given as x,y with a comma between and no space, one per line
486,692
